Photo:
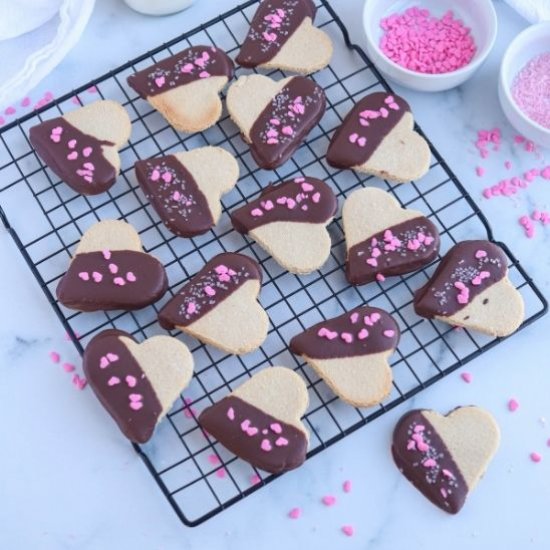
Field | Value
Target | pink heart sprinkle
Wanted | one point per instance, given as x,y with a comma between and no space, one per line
269,36
204,74
266,445
354,317
136,405
481,254
55,139
167,177
347,337
106,254
188,68
257,212
231,413
251,432
375,317
276,428
467,377
513,405
376,252
84,275
119,281
295,513
131,381
155,175
329,500
384,112
362,141
87,151
281,442
353,138
268,205
245,425
89,166
130,277
112,357
389,333
135,397
72,156
103,363
113,268
389,99
290,203
316,197
363,333
288,131
72,143
113,381
191,308
57,131
348,530
372,262
98,277
209,291
159,81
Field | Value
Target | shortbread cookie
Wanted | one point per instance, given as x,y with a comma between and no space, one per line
377,138
110,270
219,305
81,147
185,188
282,36
350,353
444,457
185,88
275,117
470,288
383,239
137,383
260,420
289,220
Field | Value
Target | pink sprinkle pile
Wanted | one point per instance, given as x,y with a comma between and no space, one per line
421,42
531,89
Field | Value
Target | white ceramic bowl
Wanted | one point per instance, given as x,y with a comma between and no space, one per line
531,42
479,15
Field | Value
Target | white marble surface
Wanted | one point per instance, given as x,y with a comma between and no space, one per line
67,482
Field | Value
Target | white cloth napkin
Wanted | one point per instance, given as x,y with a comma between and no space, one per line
533,10
35,35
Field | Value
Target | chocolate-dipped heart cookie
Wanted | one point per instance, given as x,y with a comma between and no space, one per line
289,220
185,188
377,138
275,117
383,239
350,353
137,383
260,420
470,288
81,147
282,36
219,305
185,87
110,270
444,457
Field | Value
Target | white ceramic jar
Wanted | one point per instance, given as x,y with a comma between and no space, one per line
158,7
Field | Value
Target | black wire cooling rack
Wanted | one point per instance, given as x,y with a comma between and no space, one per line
198,476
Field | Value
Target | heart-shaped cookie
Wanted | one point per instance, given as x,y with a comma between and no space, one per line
260,420
377,138
275,117
185,87
185,188
289,221
219,305
110,270
137,383
470,288
444,457
383,239
81,147
350,353
282,36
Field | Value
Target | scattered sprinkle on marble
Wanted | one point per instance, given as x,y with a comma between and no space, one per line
513,405
467,377
55,357
535,457
348,530
255,479
347,486
68,367
329,500
221,473
79,382
214,459
295,513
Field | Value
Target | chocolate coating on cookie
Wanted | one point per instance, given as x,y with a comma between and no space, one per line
273,24
175,195
255,436
121,385
363,331
217,280
286,121
397,250
424,459
75,157
469,268
190,65
111,280
302,200
364,128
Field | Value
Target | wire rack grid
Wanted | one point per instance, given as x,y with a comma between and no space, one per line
196,474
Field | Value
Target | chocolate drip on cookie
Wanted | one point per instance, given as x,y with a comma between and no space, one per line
364,129
399,249
424,459
121,385
362,331
302,200
217,280
110,280
188,66
175,195
75,157
286,121
273,24
255,436
469,268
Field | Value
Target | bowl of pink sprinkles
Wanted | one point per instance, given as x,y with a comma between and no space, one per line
524,85
429,45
